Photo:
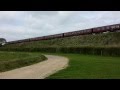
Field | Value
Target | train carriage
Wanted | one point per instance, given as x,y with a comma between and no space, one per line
102,29
114,28
97,30
59,35
80,32
118,28
88,31
67,34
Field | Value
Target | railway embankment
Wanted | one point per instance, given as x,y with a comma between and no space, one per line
98,44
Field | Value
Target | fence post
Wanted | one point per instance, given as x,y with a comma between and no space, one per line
101,52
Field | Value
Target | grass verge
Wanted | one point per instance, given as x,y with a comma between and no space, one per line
13,60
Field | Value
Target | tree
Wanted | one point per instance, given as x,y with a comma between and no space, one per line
2,41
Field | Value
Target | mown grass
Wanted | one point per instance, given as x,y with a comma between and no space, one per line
13,60
89,67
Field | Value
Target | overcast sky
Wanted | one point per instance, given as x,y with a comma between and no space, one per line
15,25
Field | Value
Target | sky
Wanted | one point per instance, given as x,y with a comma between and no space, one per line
16,25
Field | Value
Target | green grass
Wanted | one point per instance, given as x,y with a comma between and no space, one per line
98,40
80,66
89,67
106,44
13,60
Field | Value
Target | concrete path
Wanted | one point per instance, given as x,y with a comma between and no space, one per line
37,71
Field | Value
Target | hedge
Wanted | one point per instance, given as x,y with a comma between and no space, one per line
103,51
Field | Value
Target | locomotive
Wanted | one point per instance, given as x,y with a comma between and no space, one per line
96,30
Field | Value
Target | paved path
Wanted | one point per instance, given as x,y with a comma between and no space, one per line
37,71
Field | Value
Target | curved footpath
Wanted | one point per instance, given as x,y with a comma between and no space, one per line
37,71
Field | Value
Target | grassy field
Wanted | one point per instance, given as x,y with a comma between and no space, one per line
89,67
12,60
80,66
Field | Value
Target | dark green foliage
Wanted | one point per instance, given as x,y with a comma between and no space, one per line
103,51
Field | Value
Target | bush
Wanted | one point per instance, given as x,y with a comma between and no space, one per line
107,51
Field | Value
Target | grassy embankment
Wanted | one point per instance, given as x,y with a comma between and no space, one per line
107,44
98,40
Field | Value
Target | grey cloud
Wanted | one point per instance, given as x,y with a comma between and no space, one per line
42,13
26,24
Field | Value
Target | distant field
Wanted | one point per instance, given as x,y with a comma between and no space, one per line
12,60
89,67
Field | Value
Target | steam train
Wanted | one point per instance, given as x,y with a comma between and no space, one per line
96,30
